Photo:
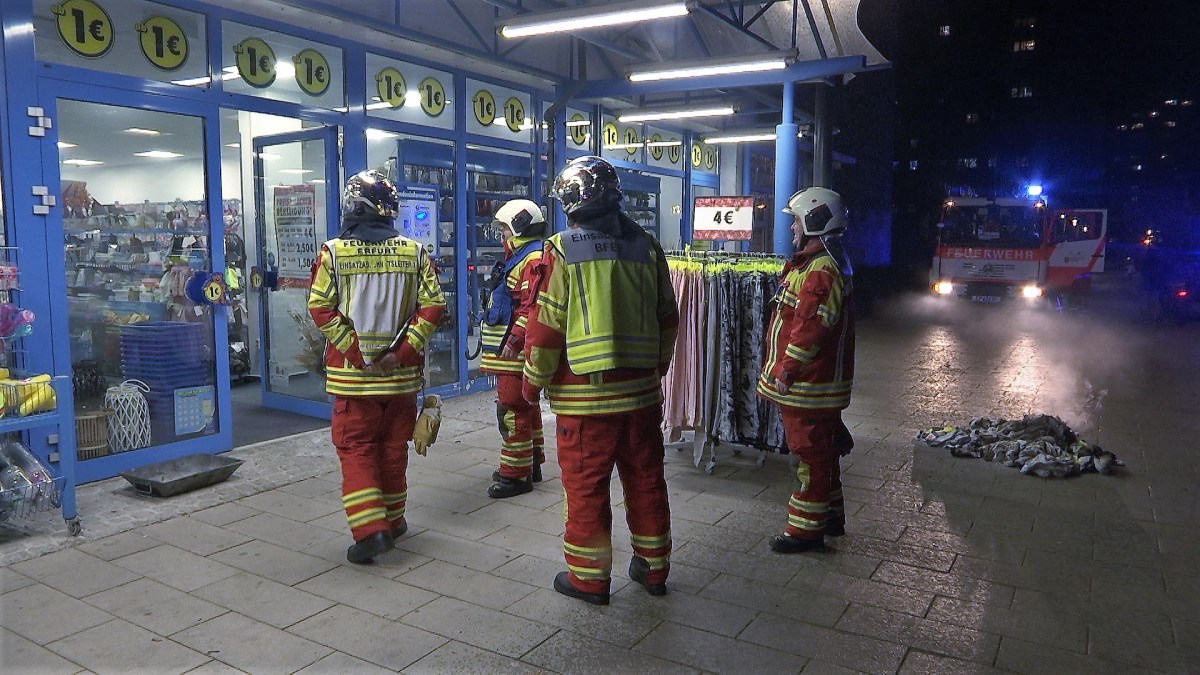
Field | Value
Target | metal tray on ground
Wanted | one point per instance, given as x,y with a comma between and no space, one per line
184,474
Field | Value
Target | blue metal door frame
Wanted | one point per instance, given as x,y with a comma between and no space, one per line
50,92
328,136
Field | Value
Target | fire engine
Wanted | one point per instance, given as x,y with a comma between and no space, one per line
994,249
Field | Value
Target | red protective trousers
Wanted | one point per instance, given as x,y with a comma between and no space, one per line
589,446
371,436
818,439
520,425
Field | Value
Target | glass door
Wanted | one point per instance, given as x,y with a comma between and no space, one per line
494,177
136,246
296,199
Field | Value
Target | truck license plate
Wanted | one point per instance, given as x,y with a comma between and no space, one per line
986,298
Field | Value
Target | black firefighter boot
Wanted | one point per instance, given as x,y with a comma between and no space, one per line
510,487
786,543
639,567
364,552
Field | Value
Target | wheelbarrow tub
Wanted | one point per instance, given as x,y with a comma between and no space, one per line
175,476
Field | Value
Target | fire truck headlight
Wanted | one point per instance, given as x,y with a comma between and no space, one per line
1031,291
943,288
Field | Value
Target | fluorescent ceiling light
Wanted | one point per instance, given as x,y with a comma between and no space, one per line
233,145
268,155
593,16
579,123
654,115
142,132
378,105
158,154
740,138
412,98
82,162
193,81
295,171
622,146
63,145
707,67
379,135
663,144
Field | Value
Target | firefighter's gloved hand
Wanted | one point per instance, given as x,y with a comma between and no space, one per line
509,352
428,423
384,364
781,387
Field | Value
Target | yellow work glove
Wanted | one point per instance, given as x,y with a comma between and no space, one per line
428,423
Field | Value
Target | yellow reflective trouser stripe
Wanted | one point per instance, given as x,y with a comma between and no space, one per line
561,407
810,507
366,516
590,573
657,562
800,354
651,541
394,497
805,523
589,552
361,497
516,462
599,389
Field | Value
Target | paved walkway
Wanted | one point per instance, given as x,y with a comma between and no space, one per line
950,565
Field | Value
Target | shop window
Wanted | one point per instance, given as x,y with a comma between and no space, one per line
137,252
266,64
1024,45
972,118
944,30
1023,91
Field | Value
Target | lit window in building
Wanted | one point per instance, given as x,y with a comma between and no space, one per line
1171,101
1137,167
1024,45
1153,113
1022,92
968,162
1185,103
944,31
1123,127
992,162
1137,125
972,118
912,142
1170,124
912,165
1025,22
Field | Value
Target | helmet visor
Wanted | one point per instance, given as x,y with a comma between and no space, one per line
815,220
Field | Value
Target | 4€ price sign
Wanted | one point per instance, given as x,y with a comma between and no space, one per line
728,218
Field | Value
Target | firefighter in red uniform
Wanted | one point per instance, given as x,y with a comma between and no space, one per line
503,333
375,296
809,367
599,340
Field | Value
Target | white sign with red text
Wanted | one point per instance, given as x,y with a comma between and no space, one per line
729,218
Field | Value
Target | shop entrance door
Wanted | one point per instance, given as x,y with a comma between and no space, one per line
296,210
494,177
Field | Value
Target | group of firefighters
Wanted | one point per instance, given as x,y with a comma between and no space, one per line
589,317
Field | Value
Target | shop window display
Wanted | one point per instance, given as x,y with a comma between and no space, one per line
136,246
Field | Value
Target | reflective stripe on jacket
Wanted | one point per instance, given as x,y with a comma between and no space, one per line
362,296
810,341
520,284
605,324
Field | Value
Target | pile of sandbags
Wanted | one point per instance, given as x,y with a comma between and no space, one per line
1040,445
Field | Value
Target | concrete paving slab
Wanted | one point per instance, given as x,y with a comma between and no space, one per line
107,649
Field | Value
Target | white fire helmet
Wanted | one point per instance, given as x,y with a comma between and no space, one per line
820,209
521,215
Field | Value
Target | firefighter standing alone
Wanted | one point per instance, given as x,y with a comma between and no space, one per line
602,335
375,296
809,367
503,333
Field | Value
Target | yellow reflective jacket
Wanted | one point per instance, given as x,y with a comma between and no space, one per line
362,297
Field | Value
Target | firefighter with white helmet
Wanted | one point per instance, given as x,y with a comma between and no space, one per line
600,339
510,301
809,367
375,296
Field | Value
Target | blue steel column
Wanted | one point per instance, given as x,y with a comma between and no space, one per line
786,151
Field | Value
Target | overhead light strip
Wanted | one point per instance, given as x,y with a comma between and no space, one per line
655,115
676,71
584,18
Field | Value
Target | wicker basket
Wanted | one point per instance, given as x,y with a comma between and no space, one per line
91,434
